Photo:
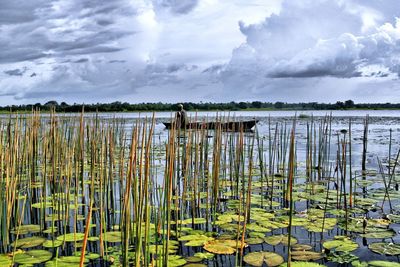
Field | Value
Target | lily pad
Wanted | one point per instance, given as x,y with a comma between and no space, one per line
342,257
384,263
193,259
385,248
112,237
394,218
72,237
257,234
51,244
302,264
176,260
51,230
204,255
42,205
258,258
380,234
222,246
277,239
195,221
68,261
341,243
299,247
5,260
195,240
358,263
159,250
306,255
33,257
254,240
92,256
26,229
29,242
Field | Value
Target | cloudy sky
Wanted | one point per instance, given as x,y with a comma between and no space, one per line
199,50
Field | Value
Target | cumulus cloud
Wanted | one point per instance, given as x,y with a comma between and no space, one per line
345,56
322,38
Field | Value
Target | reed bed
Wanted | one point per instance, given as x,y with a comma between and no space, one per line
89,190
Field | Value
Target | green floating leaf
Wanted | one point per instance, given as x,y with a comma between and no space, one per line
385,248
258,258
306,255
359,264
26,229
42,205
159,249
195,240
176,260
341,243
60,263
193,259
380,234
72,259
394,218
342,257
204,255
277,239
195,221
32,257
5,260
112,237
254,240
257,228
222,246
92,256
51,230
51,244
298,247
29,242
257,234
384,263
72,237
302,264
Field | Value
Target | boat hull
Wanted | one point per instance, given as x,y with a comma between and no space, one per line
234,126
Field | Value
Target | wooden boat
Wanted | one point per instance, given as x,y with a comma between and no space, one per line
234,126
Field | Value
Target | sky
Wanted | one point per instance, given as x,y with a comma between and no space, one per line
89,51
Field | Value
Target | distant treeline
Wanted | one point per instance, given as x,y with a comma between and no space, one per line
125,107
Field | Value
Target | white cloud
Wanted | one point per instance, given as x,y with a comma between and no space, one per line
324,38
219,50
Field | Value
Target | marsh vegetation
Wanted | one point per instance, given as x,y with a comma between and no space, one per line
94,190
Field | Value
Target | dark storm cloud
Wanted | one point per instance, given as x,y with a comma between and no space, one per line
20,11
81,60
177,6
44,29
116,61
16,72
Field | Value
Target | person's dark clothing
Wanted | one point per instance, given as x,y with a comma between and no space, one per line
181,119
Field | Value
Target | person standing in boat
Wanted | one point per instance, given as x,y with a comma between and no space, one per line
181,117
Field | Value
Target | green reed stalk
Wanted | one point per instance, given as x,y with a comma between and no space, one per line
290,182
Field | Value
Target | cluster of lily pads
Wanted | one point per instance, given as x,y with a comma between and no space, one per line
242,215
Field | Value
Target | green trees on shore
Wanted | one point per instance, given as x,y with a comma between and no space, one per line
191,106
